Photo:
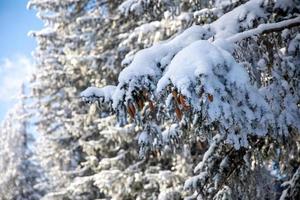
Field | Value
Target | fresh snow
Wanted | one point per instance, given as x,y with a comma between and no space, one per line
204,59
147,61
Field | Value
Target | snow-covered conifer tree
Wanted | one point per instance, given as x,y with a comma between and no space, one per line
20,175
232,83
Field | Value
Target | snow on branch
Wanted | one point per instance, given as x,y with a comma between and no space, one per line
239,19
135,6
292,190
265,28
92,94
148,64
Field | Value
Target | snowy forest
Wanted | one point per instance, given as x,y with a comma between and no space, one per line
158,99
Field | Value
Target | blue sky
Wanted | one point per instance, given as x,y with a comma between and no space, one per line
16,62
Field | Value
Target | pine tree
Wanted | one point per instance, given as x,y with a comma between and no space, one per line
204,85
20,174
233,83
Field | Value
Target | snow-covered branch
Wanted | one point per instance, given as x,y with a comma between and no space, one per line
292,190
104,94
265,28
